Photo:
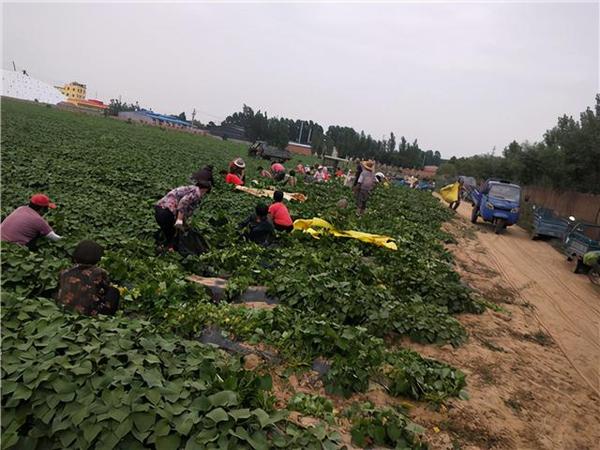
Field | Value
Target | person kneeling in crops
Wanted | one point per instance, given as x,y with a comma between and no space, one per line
280,214
259,228
236,173
25,224
85,287
177,206
365,183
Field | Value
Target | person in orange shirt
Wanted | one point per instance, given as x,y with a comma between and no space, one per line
280,214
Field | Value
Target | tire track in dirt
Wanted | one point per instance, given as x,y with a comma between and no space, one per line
566,305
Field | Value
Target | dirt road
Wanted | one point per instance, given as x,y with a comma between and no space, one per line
567,305
532,366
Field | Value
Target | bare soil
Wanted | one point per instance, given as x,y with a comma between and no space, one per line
532,366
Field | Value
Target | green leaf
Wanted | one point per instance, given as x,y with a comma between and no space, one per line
119,414
223,398
144,421
90,431
218,415
170,442
239,414
152,377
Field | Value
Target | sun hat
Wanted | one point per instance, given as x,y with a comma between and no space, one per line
368,165
239,162
41,200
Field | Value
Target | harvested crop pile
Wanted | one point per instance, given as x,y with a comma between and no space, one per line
338,299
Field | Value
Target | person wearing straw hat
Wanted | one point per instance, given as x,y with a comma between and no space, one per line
365,183
236,172
26,223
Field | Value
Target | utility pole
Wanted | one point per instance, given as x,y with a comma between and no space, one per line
14,67
300,135
193,115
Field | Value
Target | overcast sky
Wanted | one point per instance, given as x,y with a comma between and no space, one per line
460,77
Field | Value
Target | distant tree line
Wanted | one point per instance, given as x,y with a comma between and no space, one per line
349,143
568,157
115,106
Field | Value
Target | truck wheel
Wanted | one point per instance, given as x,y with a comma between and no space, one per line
580,267
474,215
499,226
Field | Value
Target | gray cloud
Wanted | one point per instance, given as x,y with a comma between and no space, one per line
461,77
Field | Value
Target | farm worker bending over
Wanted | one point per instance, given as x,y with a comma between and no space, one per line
365,183
204,174
280,214
85,287
278,171
25,224
236,172
277,167
263,173
177,206
290,179
319,175
259,228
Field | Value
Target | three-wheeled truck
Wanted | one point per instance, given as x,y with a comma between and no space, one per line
580,238
498,203
261,149
546,223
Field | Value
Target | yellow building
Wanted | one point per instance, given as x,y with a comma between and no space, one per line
73,90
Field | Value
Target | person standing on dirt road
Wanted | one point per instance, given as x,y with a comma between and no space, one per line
455,204
177,206
26,223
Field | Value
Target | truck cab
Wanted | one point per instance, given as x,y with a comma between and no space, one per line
497,202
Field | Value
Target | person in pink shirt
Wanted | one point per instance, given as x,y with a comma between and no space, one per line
25,224
280,214
277,167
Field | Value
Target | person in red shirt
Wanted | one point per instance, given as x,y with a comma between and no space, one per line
236,172
280,214
25,224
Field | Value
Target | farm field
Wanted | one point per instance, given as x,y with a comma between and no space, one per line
367,347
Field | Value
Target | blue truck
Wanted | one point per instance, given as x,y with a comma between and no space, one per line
579,239
546,223
497,202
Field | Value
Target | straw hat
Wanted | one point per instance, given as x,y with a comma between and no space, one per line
368,165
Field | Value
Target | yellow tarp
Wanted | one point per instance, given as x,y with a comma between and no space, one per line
450,192
269,193
316,227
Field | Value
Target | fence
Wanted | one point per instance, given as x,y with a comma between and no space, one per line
582,206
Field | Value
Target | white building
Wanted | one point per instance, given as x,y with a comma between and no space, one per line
22,86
